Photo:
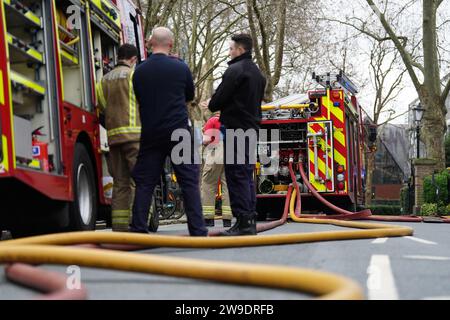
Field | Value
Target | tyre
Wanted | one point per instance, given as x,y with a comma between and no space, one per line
169,206
178,203
155,211
83,210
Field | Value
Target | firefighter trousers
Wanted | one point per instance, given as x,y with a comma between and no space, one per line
239,172
213,170
122,159
147,173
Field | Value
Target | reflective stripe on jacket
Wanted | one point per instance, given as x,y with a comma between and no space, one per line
116,99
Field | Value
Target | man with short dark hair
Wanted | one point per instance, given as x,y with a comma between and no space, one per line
163,85
239,98
117,101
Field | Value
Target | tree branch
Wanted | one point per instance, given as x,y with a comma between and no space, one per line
252,26
281,25
262,29
446,91
406,57
393,118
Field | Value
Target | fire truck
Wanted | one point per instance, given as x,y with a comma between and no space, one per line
320,132
52,52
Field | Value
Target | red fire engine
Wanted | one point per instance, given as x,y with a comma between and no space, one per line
321,131
51,54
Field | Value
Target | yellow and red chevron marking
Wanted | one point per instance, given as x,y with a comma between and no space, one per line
7,164
336,115
322,184
4,164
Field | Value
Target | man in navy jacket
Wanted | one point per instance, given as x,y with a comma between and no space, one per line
163,85
239,98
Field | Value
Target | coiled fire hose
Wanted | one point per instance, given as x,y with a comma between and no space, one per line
48,249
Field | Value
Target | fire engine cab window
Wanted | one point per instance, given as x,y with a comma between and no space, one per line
75,56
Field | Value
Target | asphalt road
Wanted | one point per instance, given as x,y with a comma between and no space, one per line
395,268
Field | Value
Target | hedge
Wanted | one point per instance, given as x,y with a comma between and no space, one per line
430,188
385,210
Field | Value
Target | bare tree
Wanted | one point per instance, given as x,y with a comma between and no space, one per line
284,51
257,19
430,91
156,13
202,29
387,82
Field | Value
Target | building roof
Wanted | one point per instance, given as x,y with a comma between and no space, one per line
396,140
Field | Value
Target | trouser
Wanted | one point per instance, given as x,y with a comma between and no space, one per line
213,170
147,173
122,160
240,176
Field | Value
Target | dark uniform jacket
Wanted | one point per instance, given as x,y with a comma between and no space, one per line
239,95
162,85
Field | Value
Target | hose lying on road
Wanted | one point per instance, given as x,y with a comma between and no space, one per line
342,214
52,283
326,285
44,250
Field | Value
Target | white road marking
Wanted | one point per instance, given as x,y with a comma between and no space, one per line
381,284
421,240
379,240
428,258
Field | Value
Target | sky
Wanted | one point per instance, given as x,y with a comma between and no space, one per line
407,24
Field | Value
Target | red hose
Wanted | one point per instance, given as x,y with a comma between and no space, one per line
268,225
344,214
271,225
348,215
298,207
53,284
396,218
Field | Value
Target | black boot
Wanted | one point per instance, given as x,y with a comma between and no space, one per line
235,225
209,222
226,223
245,226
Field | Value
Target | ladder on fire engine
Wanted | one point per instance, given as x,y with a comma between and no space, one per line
335,81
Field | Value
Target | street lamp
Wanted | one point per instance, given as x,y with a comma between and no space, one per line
418,115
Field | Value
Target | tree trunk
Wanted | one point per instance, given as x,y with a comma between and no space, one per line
430,93
433,123
268,94
433,127
369,177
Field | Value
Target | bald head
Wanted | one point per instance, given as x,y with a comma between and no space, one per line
161,39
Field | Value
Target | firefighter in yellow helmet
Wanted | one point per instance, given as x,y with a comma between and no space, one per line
117,101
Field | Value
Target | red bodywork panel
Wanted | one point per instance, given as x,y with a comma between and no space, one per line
73,122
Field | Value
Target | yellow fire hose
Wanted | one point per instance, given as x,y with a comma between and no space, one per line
326,285
44,250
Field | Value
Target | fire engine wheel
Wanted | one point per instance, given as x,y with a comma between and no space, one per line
83,210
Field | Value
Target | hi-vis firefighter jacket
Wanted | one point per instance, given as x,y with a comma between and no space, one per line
116,99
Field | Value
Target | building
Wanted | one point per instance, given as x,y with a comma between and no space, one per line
392,167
